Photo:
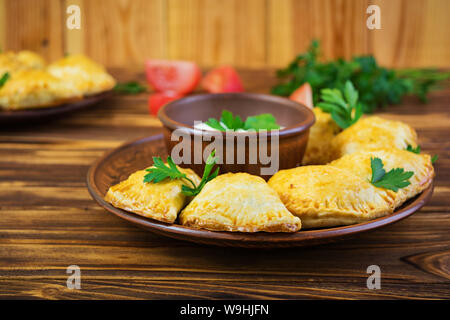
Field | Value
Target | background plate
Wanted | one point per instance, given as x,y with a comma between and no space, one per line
119,163
40,114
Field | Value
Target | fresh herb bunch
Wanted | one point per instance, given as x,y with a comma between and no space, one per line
377,86
344,108
4,78
131,87
265,121
160,172
417,150
393,180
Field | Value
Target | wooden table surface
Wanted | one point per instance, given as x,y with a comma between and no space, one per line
48,221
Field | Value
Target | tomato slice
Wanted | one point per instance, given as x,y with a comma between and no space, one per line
158,99
172,76
303,95
222,79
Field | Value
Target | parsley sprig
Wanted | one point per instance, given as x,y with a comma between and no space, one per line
160,172
343,107
417,150
131,87
4,78
377,86
228,121
393,180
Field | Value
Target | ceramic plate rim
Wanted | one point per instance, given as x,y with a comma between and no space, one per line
20,116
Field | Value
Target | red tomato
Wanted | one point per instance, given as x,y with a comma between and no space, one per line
172,76
157,100
222,79
303,95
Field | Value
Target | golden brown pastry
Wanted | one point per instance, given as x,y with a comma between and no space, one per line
239,202
34,89
24,60
160,201
326,196
8,62
374,133
321,134
30,60
87,76
420,164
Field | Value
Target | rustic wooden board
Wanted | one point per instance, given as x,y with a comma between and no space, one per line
49,221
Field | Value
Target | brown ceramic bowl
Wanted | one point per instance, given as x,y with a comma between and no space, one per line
295,118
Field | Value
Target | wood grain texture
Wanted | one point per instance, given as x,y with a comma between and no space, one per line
33,25
244,33
49,221
126,31
217,32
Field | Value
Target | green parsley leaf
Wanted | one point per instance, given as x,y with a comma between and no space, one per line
207,176
160,172
4,78
434,158
393,180
344,108
377,86
265,121
214,123
232,122
410,148
417,150
131,87
378,171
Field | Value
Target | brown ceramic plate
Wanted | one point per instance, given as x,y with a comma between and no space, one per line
39,114
118,164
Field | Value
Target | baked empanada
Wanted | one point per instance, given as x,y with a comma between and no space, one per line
34,89
321,134
160,201
359,164
374,133
86,76
30,60
24,60
326,196
239,202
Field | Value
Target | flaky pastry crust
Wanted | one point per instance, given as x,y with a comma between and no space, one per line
239,202
326,196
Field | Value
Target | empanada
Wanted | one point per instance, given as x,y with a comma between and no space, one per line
326,196
239,202
359,164
160,201
321,134
86,76
374,133
23,60
34,89
30,60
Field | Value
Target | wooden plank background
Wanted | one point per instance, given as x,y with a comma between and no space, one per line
244,33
